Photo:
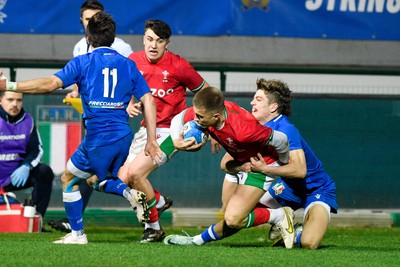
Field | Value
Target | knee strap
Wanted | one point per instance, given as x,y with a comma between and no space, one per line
70,185
228,231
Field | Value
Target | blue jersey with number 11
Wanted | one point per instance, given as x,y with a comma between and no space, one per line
106,81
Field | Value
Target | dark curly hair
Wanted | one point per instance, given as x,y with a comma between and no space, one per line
91,5
101,30
277,92
159,27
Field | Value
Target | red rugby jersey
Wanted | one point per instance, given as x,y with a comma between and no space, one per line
168,80
242,135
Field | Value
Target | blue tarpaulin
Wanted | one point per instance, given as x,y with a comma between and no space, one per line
328,19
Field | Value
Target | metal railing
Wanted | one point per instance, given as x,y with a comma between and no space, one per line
222,69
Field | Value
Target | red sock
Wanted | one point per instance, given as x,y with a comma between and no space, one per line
157,195
153,210
261,216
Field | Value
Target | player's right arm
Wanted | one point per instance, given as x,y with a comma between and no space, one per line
35,86
296,167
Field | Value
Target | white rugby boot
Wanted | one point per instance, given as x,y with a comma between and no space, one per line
286,227
69,239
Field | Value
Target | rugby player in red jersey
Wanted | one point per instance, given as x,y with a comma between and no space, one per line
243,137
168,76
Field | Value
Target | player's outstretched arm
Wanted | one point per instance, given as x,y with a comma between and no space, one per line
35,86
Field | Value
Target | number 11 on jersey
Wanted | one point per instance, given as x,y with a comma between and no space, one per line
107,73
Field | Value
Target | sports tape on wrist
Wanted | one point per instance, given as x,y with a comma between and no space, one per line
11,86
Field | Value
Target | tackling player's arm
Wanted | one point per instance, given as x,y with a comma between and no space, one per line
229,165
296,167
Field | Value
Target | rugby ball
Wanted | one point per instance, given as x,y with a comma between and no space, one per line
193,131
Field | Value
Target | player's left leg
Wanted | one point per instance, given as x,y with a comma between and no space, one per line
282,217
241,211
86,190
139,169
317,209
73,206
316,220
228,188
240,204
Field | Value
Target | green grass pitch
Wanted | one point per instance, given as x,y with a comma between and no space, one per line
121,247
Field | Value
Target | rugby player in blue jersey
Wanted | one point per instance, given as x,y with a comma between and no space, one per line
304,183
107,81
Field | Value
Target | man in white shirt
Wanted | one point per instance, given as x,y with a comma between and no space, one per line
88,9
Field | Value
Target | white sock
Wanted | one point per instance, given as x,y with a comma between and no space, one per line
77,234
276,215
154,225
269,201
198,240
127,194
160,203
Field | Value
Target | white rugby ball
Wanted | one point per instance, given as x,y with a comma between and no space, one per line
193,131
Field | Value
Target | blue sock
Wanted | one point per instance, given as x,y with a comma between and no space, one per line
113,186
210,235
298,239
73,205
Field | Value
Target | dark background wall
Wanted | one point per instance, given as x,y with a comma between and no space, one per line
355,138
